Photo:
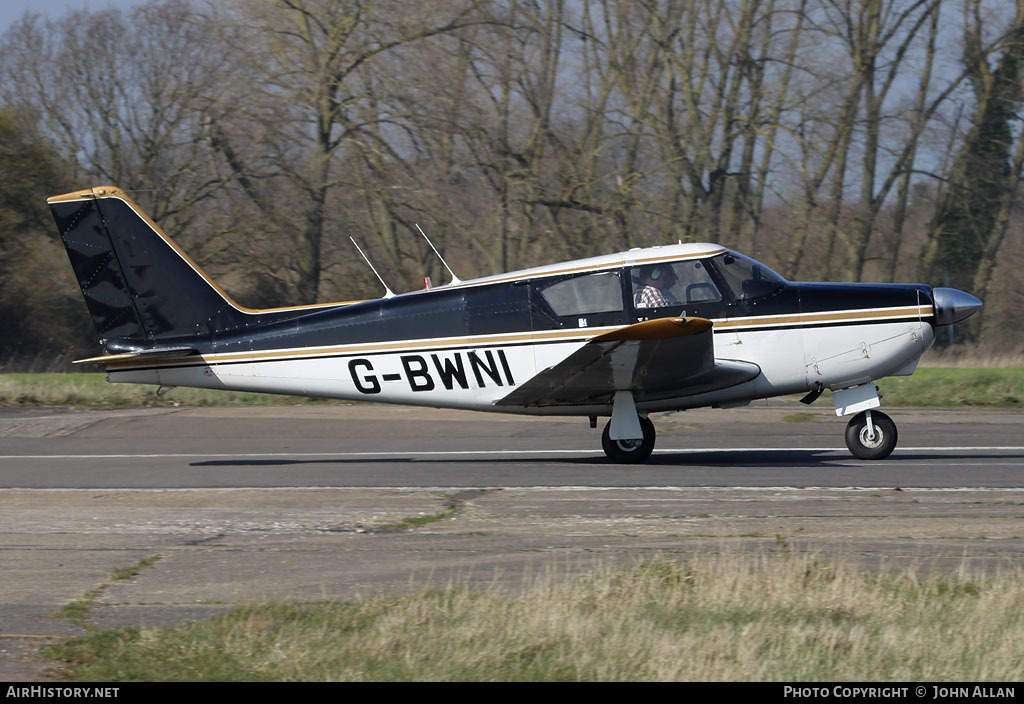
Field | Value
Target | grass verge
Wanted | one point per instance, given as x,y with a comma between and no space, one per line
930,386
91,390
943,386
775,617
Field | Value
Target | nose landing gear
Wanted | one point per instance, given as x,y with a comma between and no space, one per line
871,435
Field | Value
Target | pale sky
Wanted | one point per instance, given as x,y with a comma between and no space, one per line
11,10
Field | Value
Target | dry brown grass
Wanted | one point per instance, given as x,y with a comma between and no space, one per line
775,617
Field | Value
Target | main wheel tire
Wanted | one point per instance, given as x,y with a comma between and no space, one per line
630,451
860,441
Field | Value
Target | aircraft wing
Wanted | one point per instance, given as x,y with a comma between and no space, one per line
655,359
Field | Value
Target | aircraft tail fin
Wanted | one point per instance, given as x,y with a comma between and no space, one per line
139,286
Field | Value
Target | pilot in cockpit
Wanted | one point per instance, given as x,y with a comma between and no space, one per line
653,289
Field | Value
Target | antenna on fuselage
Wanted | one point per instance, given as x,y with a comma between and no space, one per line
455,279
390,293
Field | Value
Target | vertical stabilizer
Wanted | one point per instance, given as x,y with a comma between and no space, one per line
138,285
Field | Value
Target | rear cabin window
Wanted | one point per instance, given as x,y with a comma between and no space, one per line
583,295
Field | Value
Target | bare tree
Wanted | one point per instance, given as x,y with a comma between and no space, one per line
311,109
126,97
973,213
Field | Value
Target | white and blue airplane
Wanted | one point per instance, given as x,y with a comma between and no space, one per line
621,336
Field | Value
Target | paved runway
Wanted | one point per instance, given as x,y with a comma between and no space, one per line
382,446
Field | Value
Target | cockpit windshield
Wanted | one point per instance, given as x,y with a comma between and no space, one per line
745,277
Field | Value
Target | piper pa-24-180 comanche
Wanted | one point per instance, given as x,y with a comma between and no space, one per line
623,335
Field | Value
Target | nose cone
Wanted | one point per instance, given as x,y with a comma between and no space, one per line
953,305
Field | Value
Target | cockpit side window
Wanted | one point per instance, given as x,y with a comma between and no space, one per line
672,284
745,277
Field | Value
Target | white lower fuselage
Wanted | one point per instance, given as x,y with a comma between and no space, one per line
476,372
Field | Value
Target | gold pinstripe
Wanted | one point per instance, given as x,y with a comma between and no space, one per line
285,354
297,353
826,317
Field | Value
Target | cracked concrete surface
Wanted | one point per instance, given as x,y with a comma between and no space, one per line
219,547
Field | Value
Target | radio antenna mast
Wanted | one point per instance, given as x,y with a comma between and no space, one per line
455,279
390,293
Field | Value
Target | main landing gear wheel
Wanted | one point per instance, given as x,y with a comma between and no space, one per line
868,445
630,451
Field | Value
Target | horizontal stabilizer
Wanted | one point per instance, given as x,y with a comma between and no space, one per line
155,353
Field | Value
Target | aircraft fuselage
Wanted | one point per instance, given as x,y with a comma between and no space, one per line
469,347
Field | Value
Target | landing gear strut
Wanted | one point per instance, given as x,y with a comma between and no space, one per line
871,435
630,451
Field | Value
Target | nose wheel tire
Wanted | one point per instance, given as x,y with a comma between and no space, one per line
630,451
868,445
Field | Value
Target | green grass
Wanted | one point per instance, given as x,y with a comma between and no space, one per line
129,572
92,390
418,521
931,386
781,617
78,610
935,386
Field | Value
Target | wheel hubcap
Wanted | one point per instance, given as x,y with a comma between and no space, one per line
869,440
628,445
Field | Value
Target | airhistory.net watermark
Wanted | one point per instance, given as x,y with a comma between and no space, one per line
38,691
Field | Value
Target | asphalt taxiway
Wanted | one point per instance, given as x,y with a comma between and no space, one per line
382,446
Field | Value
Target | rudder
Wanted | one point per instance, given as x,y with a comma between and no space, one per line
138,285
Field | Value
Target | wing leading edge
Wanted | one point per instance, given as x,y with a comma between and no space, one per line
655,359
